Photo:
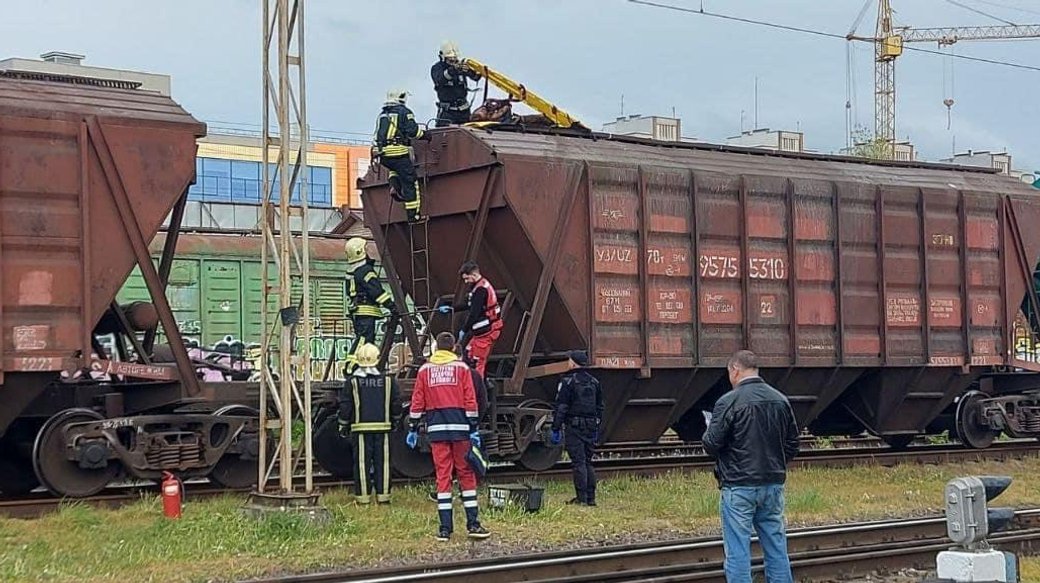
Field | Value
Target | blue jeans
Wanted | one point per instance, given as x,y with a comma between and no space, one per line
760,507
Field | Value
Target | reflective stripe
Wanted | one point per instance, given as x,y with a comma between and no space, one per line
391,131
362,466
371,426
383,298
386,457
482,323
443,495
357,398
366,310
369,276
469,493
444,506
469,503
395,151
447,427
472,415
414,415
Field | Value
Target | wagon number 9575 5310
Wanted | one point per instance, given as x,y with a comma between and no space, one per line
728,266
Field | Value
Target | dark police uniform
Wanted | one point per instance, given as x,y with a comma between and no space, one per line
449,81
395,130
366,295
579,408
369,407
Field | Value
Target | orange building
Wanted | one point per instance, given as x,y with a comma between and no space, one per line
351,163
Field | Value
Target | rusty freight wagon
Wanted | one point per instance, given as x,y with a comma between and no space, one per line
88,172
879,297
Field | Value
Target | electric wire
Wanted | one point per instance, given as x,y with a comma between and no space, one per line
977,11
825,34
1008,7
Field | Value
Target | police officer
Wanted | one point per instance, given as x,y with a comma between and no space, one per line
449,81
395,130
579,408
367,297
368,407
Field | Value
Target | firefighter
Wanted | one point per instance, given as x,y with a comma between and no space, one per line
367,298
395,130
579,409
368,406
484,322
449,81
444,393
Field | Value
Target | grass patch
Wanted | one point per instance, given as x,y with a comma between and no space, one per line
215,541
1030,567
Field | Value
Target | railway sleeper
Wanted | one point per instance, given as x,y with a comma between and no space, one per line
78,452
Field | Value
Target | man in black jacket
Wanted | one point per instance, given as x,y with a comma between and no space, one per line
449,81
579,408
753,435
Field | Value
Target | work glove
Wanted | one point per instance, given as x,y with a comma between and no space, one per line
556,437
412,439
474,438
444,309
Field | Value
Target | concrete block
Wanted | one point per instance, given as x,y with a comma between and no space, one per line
968,567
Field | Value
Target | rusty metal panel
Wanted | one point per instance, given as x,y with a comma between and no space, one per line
64,250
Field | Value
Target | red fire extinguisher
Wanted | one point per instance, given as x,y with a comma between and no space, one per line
171,496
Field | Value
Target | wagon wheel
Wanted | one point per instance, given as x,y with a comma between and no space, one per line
332,450
239,470
539,455
969,425
408,462
62,476
17,477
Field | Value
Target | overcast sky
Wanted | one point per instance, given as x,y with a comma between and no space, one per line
581,54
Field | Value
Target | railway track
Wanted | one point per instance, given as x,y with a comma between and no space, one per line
652,464
818,554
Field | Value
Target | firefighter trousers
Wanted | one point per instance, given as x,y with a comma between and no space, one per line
449,458
404,180
364,332
372,471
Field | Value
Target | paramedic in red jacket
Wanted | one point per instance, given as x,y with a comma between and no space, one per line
484,323
444,393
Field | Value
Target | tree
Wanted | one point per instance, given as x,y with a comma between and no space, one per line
867,145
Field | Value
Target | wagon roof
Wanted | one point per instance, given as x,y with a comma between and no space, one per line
606,149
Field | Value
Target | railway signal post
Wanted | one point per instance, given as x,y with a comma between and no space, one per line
284,95
969,520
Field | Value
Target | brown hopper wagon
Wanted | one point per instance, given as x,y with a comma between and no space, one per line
895,298
89,170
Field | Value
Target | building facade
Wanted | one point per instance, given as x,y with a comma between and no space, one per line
776,140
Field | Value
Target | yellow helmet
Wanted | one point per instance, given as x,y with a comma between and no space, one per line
449,51
355,249
367,355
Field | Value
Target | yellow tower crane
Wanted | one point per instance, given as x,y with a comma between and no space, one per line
888,46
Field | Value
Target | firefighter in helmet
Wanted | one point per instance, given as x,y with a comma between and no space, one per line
369,405
396,129
449,81
366,296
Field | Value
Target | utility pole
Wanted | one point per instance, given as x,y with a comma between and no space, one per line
284,96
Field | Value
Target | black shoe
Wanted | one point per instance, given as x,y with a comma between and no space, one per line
590,503
575,501
444,535
477,532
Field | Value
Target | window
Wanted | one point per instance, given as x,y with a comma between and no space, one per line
789,145
241,181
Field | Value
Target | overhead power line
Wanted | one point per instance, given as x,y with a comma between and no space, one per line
1008,7
977,11
826,34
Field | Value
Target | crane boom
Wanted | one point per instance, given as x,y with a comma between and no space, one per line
517,92
948,35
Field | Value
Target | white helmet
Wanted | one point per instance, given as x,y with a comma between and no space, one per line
449,51
396,96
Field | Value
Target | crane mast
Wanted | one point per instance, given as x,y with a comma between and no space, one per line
888,46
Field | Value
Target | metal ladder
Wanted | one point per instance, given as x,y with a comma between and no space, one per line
419,237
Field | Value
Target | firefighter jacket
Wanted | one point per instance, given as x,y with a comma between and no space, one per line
449,81
444,392
485,314
366,293
395,130
370,403
579,400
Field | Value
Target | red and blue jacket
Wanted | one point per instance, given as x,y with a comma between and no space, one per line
444,392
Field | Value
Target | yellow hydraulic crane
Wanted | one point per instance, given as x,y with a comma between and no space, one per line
517,92
888,46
